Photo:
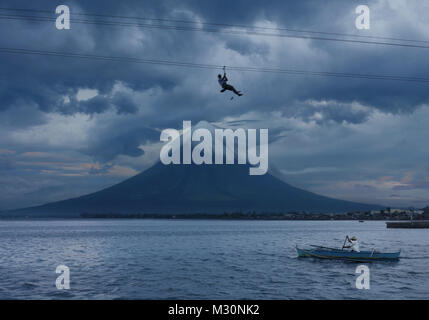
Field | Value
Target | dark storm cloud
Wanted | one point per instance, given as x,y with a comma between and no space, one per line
53,78
247,48
124,103
21,114
324,111
112,140
98,104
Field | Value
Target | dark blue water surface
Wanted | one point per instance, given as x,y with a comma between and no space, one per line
189,259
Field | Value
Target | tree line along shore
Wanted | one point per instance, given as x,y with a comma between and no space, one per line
362,216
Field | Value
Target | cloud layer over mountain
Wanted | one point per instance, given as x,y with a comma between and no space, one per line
72,126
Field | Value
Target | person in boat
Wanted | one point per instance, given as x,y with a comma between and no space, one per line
225,86
353,244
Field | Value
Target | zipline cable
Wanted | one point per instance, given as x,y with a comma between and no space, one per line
216,24
223,31
211,66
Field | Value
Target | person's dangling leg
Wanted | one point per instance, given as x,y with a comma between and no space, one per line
238,93
231,88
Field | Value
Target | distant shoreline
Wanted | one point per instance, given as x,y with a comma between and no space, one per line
289,216
251,216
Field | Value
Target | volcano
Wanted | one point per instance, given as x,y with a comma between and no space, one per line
183,189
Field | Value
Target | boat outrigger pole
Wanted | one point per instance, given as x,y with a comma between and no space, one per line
344,242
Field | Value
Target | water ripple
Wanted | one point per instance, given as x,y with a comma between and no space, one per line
158,259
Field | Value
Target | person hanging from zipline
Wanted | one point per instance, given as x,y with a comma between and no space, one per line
225,86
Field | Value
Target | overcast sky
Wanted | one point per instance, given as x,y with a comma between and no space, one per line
73,126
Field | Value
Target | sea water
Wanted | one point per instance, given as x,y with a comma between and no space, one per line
204,259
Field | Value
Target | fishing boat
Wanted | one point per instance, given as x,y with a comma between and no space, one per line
341,254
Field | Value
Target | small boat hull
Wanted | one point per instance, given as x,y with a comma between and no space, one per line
362,256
